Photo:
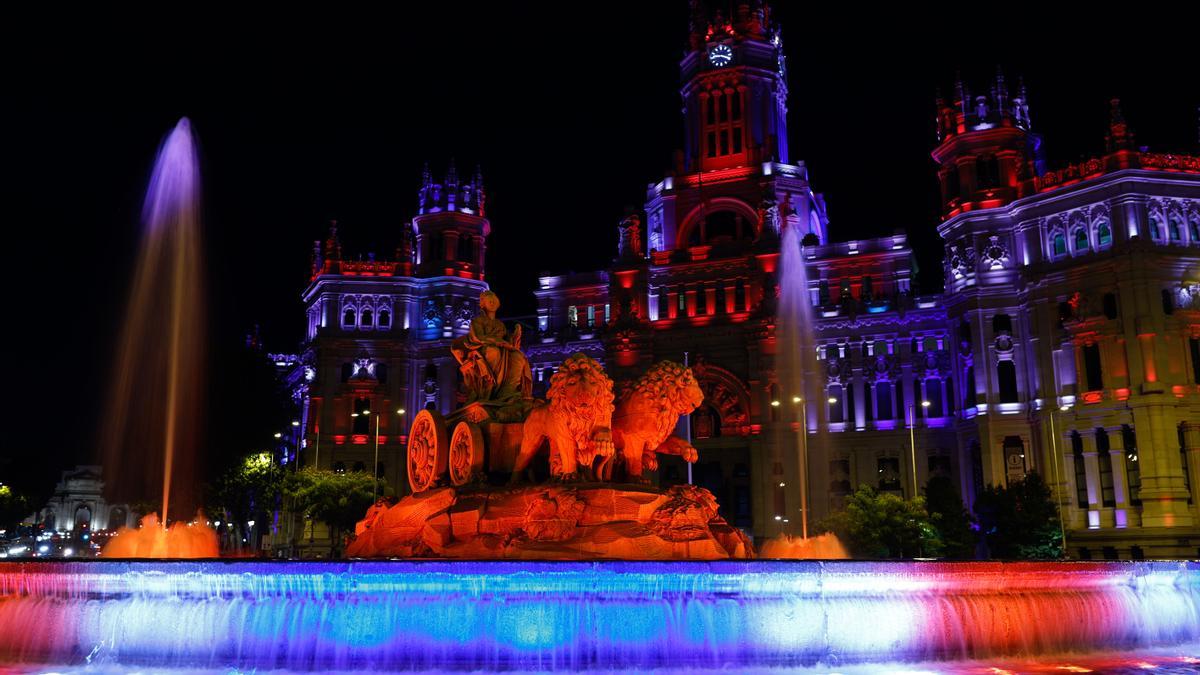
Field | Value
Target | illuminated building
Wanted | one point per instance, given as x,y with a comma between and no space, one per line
1076,288
379,331
78,504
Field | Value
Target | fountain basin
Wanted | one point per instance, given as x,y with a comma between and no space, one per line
470,615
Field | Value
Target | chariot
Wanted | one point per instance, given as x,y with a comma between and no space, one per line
461,448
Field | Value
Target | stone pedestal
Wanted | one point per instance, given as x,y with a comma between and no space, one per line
552,522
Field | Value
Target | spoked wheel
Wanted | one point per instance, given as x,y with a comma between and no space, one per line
428,450
466,453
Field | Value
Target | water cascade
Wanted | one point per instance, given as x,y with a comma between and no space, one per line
576,615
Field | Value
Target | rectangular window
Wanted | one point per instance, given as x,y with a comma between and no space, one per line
1133,468
723,108
933,394
573,315
710,110
701,301
591,316
883,400
607,313
1081,488
711,145
682,300
735,100
969,387
1108,495
835,404
1194,345
724,141
1091,367
888,469
737,140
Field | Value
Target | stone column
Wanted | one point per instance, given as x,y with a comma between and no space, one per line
1164,495
1092,468
1191,445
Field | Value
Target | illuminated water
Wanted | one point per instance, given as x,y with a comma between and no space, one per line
340,616
150,429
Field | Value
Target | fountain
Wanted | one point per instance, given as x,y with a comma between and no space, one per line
555,575
151,429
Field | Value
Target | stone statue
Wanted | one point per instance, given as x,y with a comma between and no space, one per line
630,243
576,421
647,413
493,367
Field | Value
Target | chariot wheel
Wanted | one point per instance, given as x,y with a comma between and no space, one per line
428,450
466,453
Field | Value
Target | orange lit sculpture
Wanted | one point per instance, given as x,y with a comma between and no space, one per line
575,421
461,466
646,415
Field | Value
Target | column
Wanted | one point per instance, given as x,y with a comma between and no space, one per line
1092,469
730,297
1164,496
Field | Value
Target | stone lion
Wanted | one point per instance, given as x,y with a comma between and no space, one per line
576,420
645,415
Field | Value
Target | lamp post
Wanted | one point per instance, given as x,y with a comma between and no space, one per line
1062,527
912,441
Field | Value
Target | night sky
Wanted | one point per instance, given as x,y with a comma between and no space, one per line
570,108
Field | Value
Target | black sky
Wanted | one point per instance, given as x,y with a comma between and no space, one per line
570,108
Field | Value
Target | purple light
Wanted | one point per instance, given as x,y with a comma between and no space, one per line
539,615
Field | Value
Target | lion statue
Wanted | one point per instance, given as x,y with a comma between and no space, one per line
646,413
576,421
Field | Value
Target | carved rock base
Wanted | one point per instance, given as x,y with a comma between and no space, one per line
552,522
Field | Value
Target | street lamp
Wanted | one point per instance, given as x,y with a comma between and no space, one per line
912,441
1062,527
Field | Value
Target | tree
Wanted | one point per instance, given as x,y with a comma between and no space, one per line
955,525
1020,521
249,491
13,509
882,525
337,499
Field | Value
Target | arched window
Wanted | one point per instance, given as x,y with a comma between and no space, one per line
1006,375
1175,226
385,318
720,226
1155,227
987,172
348,318
366,318
1081,239
1103,234
1195,228
1060,244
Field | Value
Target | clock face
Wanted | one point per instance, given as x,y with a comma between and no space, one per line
720,55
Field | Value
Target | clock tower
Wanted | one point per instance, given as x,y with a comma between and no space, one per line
734,89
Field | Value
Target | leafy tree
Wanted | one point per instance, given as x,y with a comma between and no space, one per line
249,491
882,525
949,515
1021,520
339,500
14,508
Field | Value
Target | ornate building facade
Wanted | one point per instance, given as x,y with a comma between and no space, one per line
1066,342
377,345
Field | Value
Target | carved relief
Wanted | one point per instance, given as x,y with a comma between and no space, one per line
995,253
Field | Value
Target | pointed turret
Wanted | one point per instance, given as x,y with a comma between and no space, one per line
1120,136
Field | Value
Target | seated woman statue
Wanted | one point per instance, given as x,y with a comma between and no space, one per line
493,367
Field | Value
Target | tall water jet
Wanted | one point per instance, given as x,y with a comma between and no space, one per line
150,433
795,356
